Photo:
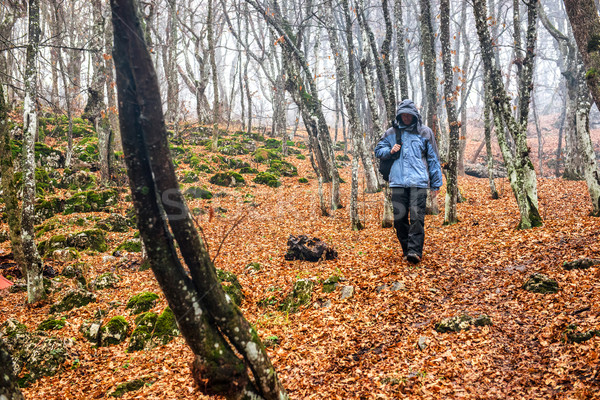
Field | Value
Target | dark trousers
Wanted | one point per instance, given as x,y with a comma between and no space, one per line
409,218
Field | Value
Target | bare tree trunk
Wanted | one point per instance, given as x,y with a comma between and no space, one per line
520,168
487,109
450,215
210,322
400,50
215,75
170,64
539,137
33,262
429,61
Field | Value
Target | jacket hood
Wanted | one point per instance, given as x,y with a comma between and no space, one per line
407,106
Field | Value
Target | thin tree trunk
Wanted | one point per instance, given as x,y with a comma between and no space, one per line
215,75
400,50
520,168
33,262
450,215
487,128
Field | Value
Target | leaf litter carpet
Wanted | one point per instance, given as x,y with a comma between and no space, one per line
365,347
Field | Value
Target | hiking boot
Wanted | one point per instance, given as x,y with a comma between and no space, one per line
413,258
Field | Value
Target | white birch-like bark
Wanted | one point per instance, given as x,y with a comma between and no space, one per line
34,266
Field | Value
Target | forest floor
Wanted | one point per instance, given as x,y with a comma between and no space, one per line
366,346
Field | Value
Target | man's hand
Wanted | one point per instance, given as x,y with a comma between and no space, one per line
395,149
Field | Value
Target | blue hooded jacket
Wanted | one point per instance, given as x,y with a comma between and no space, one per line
418,164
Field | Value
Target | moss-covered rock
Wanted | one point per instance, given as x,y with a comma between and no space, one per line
39,356
142,302
196,192
131,245
228,179
114,223
263,155
189,177
52,324
79,180
44,155
582,263
107,280
65,255
461,322
267,178
91,331
233,149
272,144
12,327
91,201
153,330
572,335
130,386
91,239
231,286
302,180
56,242
73,299
48,208
331,283
114,332
300,295
282,168
540,283
87,150
248,170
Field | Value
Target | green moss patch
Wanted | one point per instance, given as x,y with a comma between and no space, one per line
91,201
131,245
231,286
227,179
300,295
114,332
73,299
267,178
52,324
142,302
130,386
263,155
196,192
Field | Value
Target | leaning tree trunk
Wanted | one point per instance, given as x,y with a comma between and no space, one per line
450,215
9,189
518,164
33,262
210,322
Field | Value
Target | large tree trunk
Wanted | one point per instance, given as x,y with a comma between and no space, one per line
450,215
585,23
33,262
210,322
519,166
400,50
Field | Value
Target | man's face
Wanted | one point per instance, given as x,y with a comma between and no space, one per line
407,119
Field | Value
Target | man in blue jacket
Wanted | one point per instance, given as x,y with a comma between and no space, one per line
415,170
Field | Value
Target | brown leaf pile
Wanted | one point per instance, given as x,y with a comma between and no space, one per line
365,347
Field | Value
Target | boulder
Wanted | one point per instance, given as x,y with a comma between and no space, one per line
91,239
52,324
299,296
461,322
331,283
73,299
153,330
347,292
91,201
107,280
228,179
130,386
195,192
582,263
481,171
142,302
303,248
131,246
114,332
91,331
267,178
114,223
